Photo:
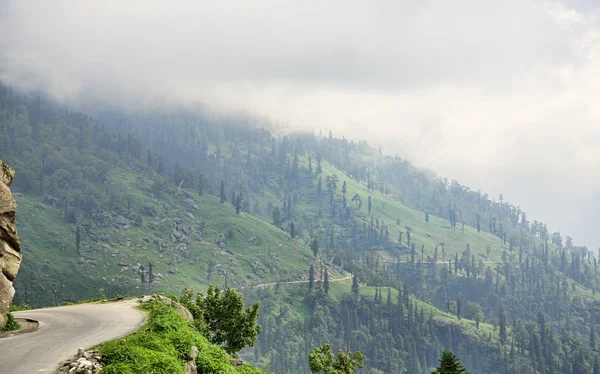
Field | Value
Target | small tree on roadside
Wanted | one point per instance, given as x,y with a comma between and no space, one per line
228,322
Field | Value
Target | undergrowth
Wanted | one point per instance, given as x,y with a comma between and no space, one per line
11,324
163,345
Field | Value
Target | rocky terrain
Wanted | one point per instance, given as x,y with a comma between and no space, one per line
10,247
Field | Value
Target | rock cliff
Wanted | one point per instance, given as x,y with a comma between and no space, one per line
10,247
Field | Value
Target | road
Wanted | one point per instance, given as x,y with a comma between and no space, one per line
62,331
263,285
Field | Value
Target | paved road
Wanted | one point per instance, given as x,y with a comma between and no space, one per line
62,331
263,285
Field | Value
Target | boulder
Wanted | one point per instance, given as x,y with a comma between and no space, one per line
193,354
191,368
10,247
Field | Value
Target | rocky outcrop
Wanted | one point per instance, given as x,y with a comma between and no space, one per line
86,362
10,247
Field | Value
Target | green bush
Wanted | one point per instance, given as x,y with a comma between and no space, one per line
163,346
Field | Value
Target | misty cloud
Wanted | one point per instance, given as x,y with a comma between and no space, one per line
499,95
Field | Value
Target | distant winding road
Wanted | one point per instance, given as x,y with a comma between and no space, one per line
62,331
264,285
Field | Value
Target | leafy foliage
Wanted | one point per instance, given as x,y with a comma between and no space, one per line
322,360
223,319
162,346
11,324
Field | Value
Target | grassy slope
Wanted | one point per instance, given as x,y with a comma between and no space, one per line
338,289
162,346
53,272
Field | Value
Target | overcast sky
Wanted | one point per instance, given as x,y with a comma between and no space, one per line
503,96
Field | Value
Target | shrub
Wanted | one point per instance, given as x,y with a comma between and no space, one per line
11,324
163,346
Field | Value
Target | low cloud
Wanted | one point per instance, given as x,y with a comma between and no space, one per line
499,95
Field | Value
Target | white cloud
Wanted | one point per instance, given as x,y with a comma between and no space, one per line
499,95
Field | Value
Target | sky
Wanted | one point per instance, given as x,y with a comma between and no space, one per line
503,96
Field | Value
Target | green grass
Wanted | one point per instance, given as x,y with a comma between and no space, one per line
52,271
467,326
162,346
390,209
11,324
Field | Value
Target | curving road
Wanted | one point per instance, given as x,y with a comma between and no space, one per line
62,331
264,285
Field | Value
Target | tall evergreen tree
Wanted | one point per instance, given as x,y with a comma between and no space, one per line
311,277
150,273
222,195
314,245
238,203
503,323
450,364
142,275
355,286
326,282
78,240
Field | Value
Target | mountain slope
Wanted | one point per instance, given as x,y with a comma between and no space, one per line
145,189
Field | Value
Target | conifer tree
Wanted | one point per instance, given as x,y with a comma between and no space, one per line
222,195
355,286
142,275
450,364
326,282
78,239
314,245
311,277
238,203
150,273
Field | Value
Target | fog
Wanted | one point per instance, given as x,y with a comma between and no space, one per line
500,95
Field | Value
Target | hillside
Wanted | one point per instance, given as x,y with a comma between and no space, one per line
145,190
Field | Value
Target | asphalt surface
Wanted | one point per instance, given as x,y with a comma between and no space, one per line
62,331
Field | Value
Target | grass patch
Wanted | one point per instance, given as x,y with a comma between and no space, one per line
163,345
11,324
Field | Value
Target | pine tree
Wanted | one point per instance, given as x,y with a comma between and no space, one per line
222,195
292,230
503,322
200,184
78,240
238,203
450,364
311,277
150,273
355,286
326,282
142,275
276,214
314,245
